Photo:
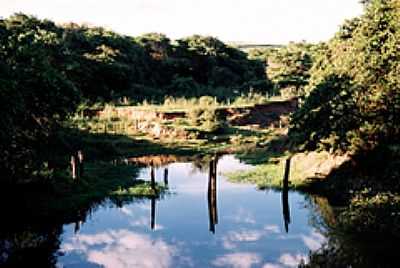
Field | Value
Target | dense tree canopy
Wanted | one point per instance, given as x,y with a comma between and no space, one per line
288,66
353,101
34,90
46,70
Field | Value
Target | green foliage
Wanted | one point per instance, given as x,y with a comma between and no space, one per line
329,116
353,98
47,70
373,214
206,117
250,99
288,66
35,93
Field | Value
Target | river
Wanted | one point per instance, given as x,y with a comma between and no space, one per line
194,226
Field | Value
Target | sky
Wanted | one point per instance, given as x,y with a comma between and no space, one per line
250,21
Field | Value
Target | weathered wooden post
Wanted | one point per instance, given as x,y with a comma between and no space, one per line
73,167
81,164
215,190
285,195
166,176
212,195
153,213
287,173
77,226
152,177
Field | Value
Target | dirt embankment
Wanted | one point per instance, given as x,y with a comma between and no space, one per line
158,123
260,114
273,114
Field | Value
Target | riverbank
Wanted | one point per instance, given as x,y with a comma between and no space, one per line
367,193
62,199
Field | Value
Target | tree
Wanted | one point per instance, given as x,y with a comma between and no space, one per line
364,52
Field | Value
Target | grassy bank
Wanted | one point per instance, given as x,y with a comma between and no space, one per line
367,194
66,200
270,160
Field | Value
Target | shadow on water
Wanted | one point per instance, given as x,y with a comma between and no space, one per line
344,249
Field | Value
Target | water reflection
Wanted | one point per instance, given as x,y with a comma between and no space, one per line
166,176
153,213
285,196
212,194
286,208
126,233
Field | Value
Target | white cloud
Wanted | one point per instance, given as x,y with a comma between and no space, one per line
292,260
243,216
271,265
123,248
231,239
272,229
237,260
145,222
231,20
126,211
245,236
288,260
314,241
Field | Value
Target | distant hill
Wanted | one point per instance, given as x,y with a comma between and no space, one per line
247,46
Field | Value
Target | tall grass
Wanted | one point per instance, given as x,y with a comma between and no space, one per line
172,103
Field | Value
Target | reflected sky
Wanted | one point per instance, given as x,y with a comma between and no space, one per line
250,230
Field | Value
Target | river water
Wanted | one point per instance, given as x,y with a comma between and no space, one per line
204,221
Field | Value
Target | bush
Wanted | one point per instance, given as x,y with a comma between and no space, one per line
206,117
378,213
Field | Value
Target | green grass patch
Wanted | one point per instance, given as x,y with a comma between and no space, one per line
140,189
269,175
61,198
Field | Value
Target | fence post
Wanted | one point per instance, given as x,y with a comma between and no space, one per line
81,163
287,172
166,176
285,195
73,167
152,177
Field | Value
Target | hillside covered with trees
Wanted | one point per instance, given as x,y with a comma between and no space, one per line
47,70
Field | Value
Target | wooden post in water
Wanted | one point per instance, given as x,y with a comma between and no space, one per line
166,176
215,190
212,195
285,195
153,213
81,164
287,172
152,177
73,167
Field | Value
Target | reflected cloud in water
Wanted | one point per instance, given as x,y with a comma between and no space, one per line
242,216
314,241
288,260
292,260
249,233
123,248
237,260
